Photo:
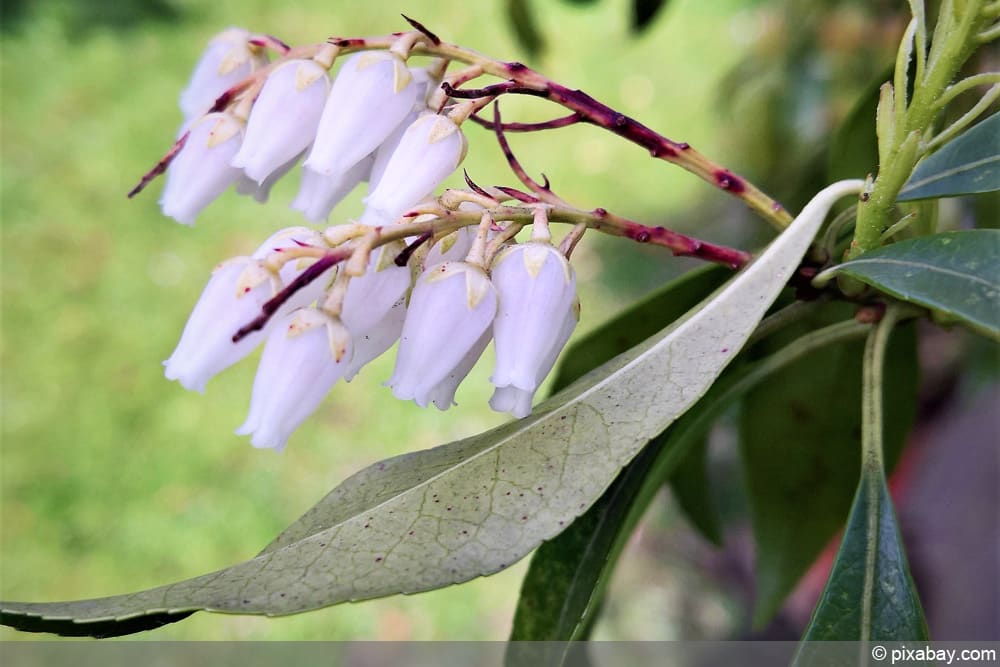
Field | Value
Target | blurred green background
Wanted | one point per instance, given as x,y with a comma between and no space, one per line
114,479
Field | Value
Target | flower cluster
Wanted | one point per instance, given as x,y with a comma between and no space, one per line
344,296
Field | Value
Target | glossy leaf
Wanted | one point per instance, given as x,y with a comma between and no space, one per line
475,506
954,273
800,436
967,164
869,595
870,591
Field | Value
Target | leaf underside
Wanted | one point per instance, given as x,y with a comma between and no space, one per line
472,507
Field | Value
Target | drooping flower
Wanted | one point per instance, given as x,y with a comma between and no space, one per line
232,298
200,172
375,307
284,118
537,291
319,193
372,94
451,308
228,59
261,192
429,151
304,357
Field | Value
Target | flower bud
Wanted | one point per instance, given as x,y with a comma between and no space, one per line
200,172
372,94
233,297
319,193
537,290
303,359
429,151
452,248
451,309
284,118
229,59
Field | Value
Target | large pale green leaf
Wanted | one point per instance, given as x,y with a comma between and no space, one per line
954,273
565,583
967,164
637,322
472,507
800,437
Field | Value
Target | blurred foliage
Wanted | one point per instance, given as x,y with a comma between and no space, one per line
80,17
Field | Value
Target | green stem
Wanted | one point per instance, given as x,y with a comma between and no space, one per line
871,397
951,46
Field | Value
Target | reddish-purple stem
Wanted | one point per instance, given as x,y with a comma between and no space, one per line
555,123
404,255
311,273
417,25
160,166
490,91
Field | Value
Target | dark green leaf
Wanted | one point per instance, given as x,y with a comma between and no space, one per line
643,13
521,15
800,435
955,273
637,323
691,489
870,591
968,163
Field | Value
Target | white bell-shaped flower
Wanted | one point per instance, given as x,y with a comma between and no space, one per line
233,297
261,192
452,248
371,296
451,308
304,357
372,94
200,172
537,289
319,193
429,151
228,59
443,393
369,344
284,118
518,401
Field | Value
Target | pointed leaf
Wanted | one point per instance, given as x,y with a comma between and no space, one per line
869,595
473,507
955,273
967,164
800,437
